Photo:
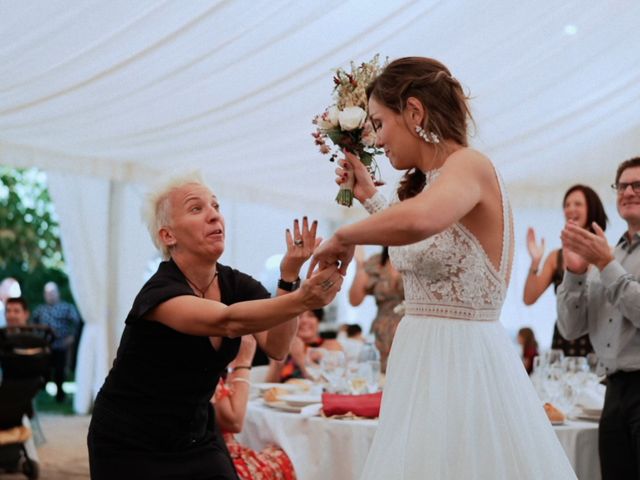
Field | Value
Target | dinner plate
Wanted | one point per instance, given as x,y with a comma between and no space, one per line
289,387
591,418
592,412
301,400
588,418
283,406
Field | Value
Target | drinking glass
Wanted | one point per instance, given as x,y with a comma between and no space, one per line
575,364
360,376
375,376
312,362
333,365
554,356
592,361
368,352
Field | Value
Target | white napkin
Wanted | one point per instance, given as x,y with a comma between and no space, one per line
592,398
312,410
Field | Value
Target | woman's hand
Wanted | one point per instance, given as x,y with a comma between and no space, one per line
351,168
332,252
321,287
536,251
246,352
300,245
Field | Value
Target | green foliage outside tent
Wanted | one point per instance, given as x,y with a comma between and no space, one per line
30,248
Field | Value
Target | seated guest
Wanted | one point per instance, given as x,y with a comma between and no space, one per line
527,339
354,332
16,312
352,341
230,402
308,335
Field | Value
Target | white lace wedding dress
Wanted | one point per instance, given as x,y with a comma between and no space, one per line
458,403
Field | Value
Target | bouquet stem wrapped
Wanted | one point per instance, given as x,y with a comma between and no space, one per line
345,123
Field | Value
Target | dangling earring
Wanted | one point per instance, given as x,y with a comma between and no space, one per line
429,137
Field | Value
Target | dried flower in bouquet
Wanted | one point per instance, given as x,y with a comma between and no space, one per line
345,123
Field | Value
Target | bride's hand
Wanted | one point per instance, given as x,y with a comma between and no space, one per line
352,168
332,252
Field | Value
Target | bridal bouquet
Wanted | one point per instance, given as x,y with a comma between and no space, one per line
345,123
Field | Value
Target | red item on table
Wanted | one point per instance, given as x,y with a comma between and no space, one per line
367,405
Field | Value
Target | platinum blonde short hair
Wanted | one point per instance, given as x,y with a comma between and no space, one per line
156,209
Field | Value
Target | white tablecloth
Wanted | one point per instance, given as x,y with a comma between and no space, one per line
322,448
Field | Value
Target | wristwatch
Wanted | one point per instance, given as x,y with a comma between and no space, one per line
289,286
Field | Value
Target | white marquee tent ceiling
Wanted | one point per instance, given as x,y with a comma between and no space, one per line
125,89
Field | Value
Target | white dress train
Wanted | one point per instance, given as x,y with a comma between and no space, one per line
457,402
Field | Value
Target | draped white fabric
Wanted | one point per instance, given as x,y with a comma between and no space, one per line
106,262
124,89
84,222
113,93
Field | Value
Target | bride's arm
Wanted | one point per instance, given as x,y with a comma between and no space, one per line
463,181
457,190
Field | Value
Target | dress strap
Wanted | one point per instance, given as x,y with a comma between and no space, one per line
507,226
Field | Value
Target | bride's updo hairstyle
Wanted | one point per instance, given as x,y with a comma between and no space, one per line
446,110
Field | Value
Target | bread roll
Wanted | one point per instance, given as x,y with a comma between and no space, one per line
553,413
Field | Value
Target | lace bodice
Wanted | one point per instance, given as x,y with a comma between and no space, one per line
449,274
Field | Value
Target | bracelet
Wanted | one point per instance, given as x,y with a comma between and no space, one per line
289,286
240,367
242,380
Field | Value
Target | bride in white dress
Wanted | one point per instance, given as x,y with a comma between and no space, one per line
457,402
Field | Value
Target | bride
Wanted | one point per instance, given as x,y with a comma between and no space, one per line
457,401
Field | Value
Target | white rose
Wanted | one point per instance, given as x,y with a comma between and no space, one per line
351,118
332,115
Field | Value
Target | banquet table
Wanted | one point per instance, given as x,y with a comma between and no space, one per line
324,448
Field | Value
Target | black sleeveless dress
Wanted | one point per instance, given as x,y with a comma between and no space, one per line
580,347
152,418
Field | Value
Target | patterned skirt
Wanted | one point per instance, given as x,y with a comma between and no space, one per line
271,463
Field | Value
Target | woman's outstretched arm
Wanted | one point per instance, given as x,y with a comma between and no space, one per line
204,317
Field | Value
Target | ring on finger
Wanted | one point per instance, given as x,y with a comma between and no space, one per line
326,285
298,242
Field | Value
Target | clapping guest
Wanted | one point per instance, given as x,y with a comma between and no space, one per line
230,400
153,419
600,296
583,206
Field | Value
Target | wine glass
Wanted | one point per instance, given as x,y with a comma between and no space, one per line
592,361
333,365
554,356
575,364
375,376
360,375
368,352
312,362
